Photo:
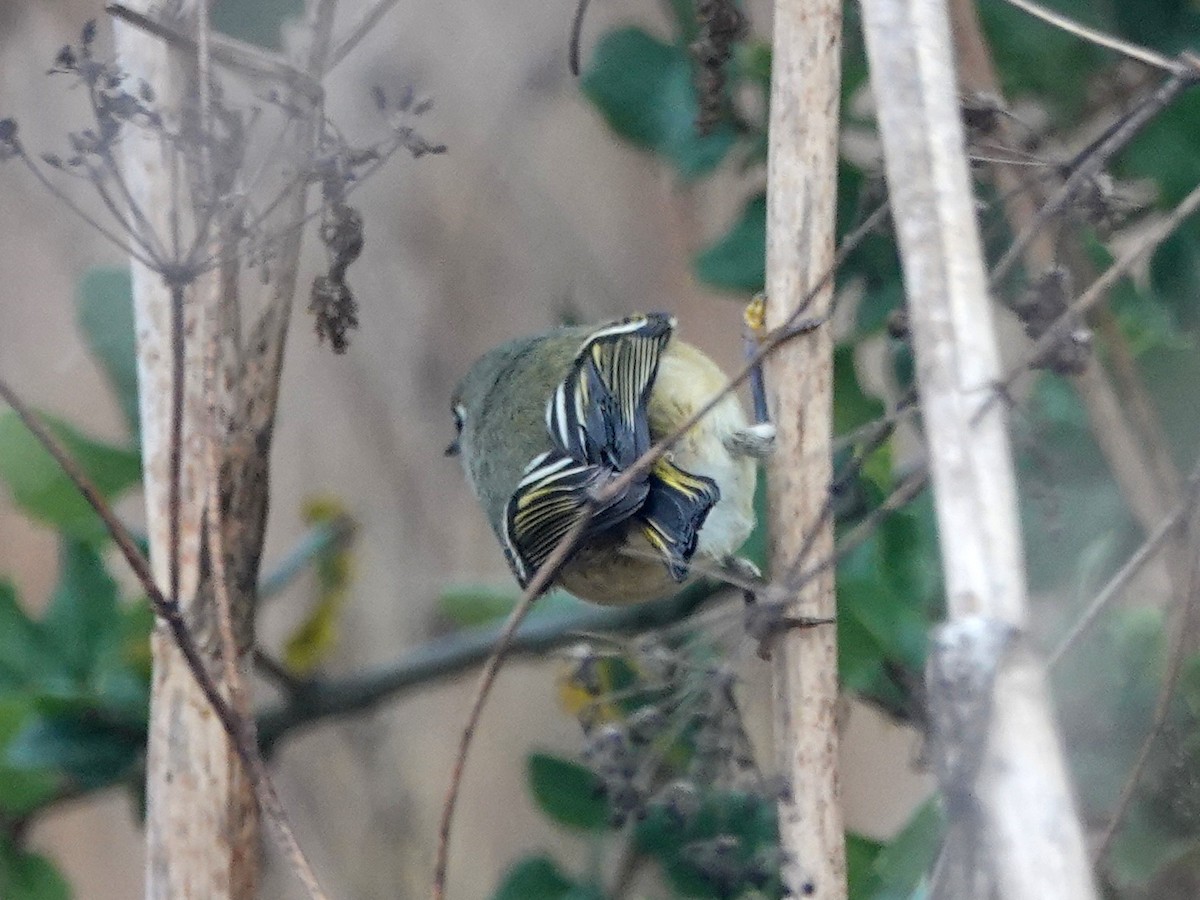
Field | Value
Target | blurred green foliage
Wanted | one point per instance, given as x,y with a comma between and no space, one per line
259,23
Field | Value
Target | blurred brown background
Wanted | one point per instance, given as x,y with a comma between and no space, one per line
535,211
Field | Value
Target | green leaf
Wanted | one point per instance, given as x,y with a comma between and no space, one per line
861,854
1143,848
105,315
1037,58
259,23
1069,499
852,408
21,791
28,876
749,819
1106,689
92,753
889,589
41,489
1167,25
643,88
535,878
1174,281
83,616
27,653
738,261
901,865
1172,374
567,792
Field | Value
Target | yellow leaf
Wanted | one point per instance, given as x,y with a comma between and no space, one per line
317,636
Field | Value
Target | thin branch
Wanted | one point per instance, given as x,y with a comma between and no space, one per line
115,527
1121,578
66,200
1129,434
873,435
314,700
238,56
1186,614
1061,327
239,730
541,581
573,52
146,241
175,441
145,233
360,30
314,543
1089,163
277,673
1133,51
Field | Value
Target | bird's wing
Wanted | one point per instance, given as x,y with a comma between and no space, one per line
598,413
550,499
599,424
675,509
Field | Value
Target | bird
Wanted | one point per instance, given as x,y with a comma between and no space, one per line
547,422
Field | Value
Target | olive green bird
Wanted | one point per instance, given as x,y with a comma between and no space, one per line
546,422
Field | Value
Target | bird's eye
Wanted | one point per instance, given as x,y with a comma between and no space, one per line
460,416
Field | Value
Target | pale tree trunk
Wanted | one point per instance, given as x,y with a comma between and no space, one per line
1030,829
201,818
801,196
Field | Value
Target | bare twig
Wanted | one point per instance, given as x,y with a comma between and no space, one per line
1114,396
1133,51
90,220
1184,621
360,30
235,55
1090,161
1061,327
318,699
1154,542
239,731
175,439
573,44
541,581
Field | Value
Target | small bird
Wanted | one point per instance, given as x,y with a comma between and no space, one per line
547,422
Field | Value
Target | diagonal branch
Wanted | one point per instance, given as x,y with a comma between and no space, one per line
1185,615
236,726
1154,542
1092,160
1100,38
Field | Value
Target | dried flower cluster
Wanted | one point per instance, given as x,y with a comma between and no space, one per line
721,25
664,736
